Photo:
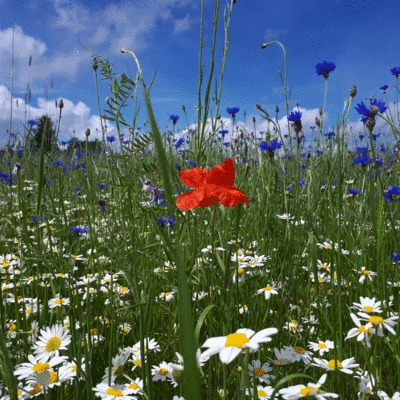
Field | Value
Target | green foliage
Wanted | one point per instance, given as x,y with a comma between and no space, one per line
44,128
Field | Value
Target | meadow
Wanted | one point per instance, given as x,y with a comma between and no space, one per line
257,268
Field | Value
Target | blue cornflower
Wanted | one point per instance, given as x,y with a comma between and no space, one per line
178,167
362,150
167,220
78,188
395,71
79,155
395,257
384,88
366,112
233,111
32,122
383,149
362,160
289,188
375,136
354,192
304,165
361,137
78,230
330,135
34,220
174,118
325,68
223,132
102,186
274,145
20,154
391,191
111,139
294,116
302,182
193,164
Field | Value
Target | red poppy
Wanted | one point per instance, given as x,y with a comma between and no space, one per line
211,187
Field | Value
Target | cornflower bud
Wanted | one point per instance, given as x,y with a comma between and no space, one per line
370,124
183,107
218,116
277,109
320,111
374,109
258,107
94,64
87,133
254,119
317,121
61,104
353,91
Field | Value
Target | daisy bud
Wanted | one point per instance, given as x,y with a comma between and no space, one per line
87,133
277,109
374,109
353,91
317,121
94,64
61,104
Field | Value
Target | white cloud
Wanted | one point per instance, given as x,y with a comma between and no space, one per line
181,25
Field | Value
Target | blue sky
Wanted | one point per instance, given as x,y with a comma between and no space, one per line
358,36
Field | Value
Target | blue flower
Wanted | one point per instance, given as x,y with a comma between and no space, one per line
366,112
294,116
395,71
354,191
174,118
102,186
32,122
111,139
361,137
384,88
330,135
302,182
78,230
167,220
392,190
233,111
325,68
272,146
178,167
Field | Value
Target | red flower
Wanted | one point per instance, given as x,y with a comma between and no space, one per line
211,187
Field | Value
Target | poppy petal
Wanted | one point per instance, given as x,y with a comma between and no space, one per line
222,175
192,199
230,197
193,177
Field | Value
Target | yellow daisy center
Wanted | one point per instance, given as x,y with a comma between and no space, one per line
59,301
261,393
133,386
114,392
375,320
36,389
368,309
267,289
299,350
118,369
53,344
306,391
362,329
163,371
331,364
258,372
236,340
38,367
322,346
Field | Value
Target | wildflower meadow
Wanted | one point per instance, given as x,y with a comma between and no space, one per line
258,268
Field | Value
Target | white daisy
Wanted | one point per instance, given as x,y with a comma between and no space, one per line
113,392
383,396
343,366
229,347
311,390
260,372
162,372
283,357
268,291
368,305
379,322
51,341
117,368
263,393
321,347
362,331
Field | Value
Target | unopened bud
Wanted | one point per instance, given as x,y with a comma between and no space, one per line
254,119
94,64
370,124
61,104
218,116
258,107
87,133
320,111
317,121
183,107
353,91
277,109
374,109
